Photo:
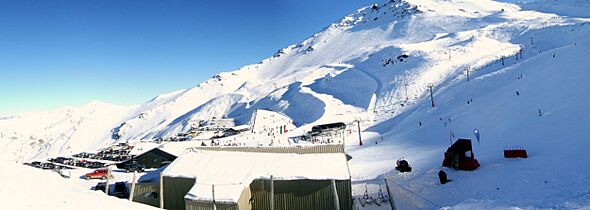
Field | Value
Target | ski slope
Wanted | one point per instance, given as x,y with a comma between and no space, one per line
376,65
554,175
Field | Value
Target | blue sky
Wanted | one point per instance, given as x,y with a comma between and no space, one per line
58,53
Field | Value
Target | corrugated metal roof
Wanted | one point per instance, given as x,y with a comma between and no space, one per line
212,167
317,149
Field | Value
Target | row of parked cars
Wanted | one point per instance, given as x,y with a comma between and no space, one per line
76,162
45,166
119,152
103,156
132,166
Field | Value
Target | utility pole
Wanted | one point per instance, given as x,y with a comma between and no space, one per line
467,70
449,54
358,123
343,138
431,97
407,98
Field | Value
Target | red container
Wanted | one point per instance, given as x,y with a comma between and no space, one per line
515,153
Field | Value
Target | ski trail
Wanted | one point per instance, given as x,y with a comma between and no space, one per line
373,103
343,109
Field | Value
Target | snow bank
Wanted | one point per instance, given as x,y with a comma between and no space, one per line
24,187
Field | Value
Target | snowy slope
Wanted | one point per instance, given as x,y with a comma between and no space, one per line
554,176
59,132
30,188
375,65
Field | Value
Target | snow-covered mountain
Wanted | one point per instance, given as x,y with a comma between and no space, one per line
63,131
374,63
377,64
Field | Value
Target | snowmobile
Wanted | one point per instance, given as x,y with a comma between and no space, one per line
403,166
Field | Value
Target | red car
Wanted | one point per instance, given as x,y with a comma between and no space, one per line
98,174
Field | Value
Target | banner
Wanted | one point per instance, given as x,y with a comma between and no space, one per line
476,133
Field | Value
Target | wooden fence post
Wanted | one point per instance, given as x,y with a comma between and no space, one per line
213,196
107,190
161,190
272,192
132,187
335,195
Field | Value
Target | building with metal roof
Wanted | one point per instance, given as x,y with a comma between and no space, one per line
250,178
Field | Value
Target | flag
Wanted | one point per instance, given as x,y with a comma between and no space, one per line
476,133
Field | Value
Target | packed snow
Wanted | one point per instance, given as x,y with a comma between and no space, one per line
516,71
30,188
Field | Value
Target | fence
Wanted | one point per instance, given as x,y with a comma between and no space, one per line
147,193
286,194
406,198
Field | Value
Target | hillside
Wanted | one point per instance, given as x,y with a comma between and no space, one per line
63,131
47,190
527,83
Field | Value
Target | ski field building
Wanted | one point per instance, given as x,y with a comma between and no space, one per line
241,178
153,155
153,158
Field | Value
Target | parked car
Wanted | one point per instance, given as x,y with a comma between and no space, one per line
47,166
121,190
100,186
98,174
60,160
134,166
36,164
93,165
69,161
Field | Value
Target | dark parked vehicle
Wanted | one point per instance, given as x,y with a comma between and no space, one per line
81,163
121,190
59,160
47,166
36,164
100,186
95,165
134,166
62,160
